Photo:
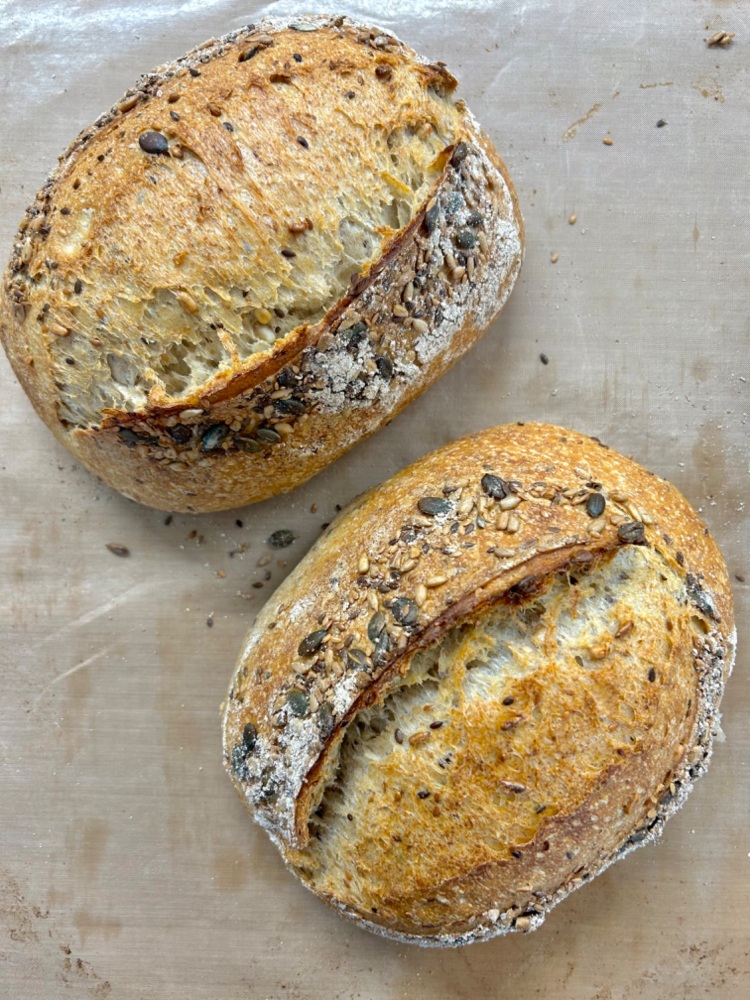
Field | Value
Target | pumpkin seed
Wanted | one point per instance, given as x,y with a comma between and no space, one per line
595,505
298,702
312,642
432,506
214,437
153,142
404,610
494,486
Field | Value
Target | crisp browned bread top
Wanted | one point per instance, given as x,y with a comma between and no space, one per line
489,521
292,228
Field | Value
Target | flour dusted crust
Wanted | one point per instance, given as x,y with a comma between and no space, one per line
123,251
431,550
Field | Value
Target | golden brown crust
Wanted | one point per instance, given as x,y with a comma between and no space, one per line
297,702
261,424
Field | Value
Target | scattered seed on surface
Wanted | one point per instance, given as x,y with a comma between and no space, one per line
214,437
117,549
416,739
281,539
286,252
210,621
544,359
661,123
431,217
375,626
459,154
153,142
721,38
652,675
493,486
632,533
303,142
572,219
513,786
384,366
358,658
398,737
433,506
268,436
298,702
465,239
249,737
595,505
509,502
607,141
404,610
382,649
312,642
423,794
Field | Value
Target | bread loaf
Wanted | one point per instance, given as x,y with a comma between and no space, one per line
261,254
493,676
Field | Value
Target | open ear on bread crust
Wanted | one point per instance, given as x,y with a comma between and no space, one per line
259,256
487,525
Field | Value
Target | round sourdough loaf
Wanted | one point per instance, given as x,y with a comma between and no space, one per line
493,676
261,254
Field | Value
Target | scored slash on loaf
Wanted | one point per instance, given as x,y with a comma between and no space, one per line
493,676
257,258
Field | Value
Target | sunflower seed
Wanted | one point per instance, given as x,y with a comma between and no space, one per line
509,503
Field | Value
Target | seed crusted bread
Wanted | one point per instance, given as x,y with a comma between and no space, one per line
493,676
260,255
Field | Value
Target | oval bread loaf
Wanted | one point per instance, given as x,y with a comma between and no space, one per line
256,258
493,676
